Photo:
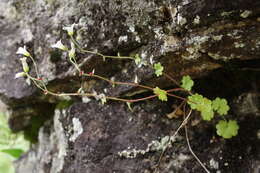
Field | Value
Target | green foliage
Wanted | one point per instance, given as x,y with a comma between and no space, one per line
220,105
158,69
187,83
64,104
201,104
6,163
15,152
227,129
11,146
162,94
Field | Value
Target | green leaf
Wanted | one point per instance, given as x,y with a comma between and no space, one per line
9,140
207,115
227,129
12,145
158,69
15,152
201,104
162,94
220,105
6,163
206,109
194,99
63,104
187,83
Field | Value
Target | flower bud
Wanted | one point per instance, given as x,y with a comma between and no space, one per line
72,51
19,75
59,45
23,51
69,29
25,65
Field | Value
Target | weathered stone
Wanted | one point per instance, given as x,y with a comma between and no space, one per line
114,139
154,29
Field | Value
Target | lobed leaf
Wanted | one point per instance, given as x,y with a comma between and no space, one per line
187,83
227,129
201,104
220,105
158,69
162,94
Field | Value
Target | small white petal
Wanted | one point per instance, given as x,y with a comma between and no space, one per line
23,51
85,99
70,29
19,75
59,45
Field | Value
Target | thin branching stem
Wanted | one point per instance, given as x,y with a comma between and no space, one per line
172,137
181,98
95,95
35,67
191,151
118,83
171,78
97,53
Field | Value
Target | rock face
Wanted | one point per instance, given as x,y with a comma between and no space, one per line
90,137
216,42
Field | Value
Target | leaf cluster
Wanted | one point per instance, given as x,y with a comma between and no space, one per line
226,129
201,104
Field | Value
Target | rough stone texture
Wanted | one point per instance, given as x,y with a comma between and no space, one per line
110,129
49,155
195,37
154,29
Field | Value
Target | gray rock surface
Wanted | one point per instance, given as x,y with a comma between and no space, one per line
112,139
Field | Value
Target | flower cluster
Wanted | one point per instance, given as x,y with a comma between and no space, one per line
59,45
26,69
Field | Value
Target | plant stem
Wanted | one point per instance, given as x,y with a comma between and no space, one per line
97,53
118,83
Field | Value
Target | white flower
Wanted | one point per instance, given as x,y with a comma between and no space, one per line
20,74
25,65
59,45
72,50
23,51
69,29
